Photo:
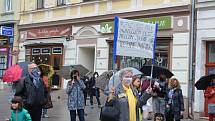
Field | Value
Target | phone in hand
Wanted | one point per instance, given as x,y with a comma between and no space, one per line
75,77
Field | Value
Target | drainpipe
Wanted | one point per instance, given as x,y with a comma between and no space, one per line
192,44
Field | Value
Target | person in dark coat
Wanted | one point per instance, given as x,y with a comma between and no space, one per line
126,99
86,90
33,92
174,101
94,91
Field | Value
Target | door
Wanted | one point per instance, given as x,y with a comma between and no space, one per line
56,64
210,65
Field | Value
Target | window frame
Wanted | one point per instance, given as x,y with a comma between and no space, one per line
61,2
208,64
8,8
40,6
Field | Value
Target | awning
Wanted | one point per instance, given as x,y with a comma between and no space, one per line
45,41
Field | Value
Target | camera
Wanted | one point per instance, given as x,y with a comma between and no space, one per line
75,77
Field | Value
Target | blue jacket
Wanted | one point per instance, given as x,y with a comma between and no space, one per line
20,115
75,95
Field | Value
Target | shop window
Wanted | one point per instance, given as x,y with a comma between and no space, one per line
60,2
161,57
3,42
8,5
3,64
40,4
210,58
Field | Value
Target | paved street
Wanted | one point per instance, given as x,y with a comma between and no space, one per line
59,112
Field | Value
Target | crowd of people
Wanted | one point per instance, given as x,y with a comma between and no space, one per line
31,97
130,94
136,97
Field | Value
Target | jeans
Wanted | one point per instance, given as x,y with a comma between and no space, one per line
44,111
158,105
97,97
80,115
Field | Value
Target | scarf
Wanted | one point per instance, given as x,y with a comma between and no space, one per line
35,75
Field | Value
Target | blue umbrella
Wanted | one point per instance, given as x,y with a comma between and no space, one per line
24,66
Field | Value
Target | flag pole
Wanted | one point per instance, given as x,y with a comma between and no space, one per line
153,58
116,23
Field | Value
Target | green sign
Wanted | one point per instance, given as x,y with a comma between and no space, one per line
164,22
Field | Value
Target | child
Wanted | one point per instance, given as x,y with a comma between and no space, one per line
158,117
18,113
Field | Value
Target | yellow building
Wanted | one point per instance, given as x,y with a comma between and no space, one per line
9,19
67,32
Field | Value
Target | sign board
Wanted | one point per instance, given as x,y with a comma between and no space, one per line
6,31
45,32
45,50
164,23
36,51
134,38
57,50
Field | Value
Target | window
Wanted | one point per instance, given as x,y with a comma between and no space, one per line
162,58
40,4
210,58
88,0
8,5
60,2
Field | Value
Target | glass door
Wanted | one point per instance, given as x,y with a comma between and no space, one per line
56,63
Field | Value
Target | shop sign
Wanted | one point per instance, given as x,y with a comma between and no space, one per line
6,31
36,51
45,32
164,22
57,50
45,50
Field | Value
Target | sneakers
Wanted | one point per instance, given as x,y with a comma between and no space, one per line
45,116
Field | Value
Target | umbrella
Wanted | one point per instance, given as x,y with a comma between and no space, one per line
115,80
103,79
66,70
204,82
24,66
156,71
12,74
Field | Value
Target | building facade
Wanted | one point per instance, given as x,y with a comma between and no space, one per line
89,39
205,44
9,19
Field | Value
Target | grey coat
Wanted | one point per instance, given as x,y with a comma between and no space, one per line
75,95
122,103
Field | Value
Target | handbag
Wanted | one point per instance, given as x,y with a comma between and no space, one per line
48,104
109,112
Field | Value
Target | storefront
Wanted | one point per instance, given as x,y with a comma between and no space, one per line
205,50
172,46
6,44
45,45
163,42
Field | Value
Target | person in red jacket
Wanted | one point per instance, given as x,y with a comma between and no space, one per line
210,95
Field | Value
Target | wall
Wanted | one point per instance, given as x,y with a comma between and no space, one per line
77,9
205,32
180,59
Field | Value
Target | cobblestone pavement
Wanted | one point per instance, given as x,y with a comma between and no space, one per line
59,112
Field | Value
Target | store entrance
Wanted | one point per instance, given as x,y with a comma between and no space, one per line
51,55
